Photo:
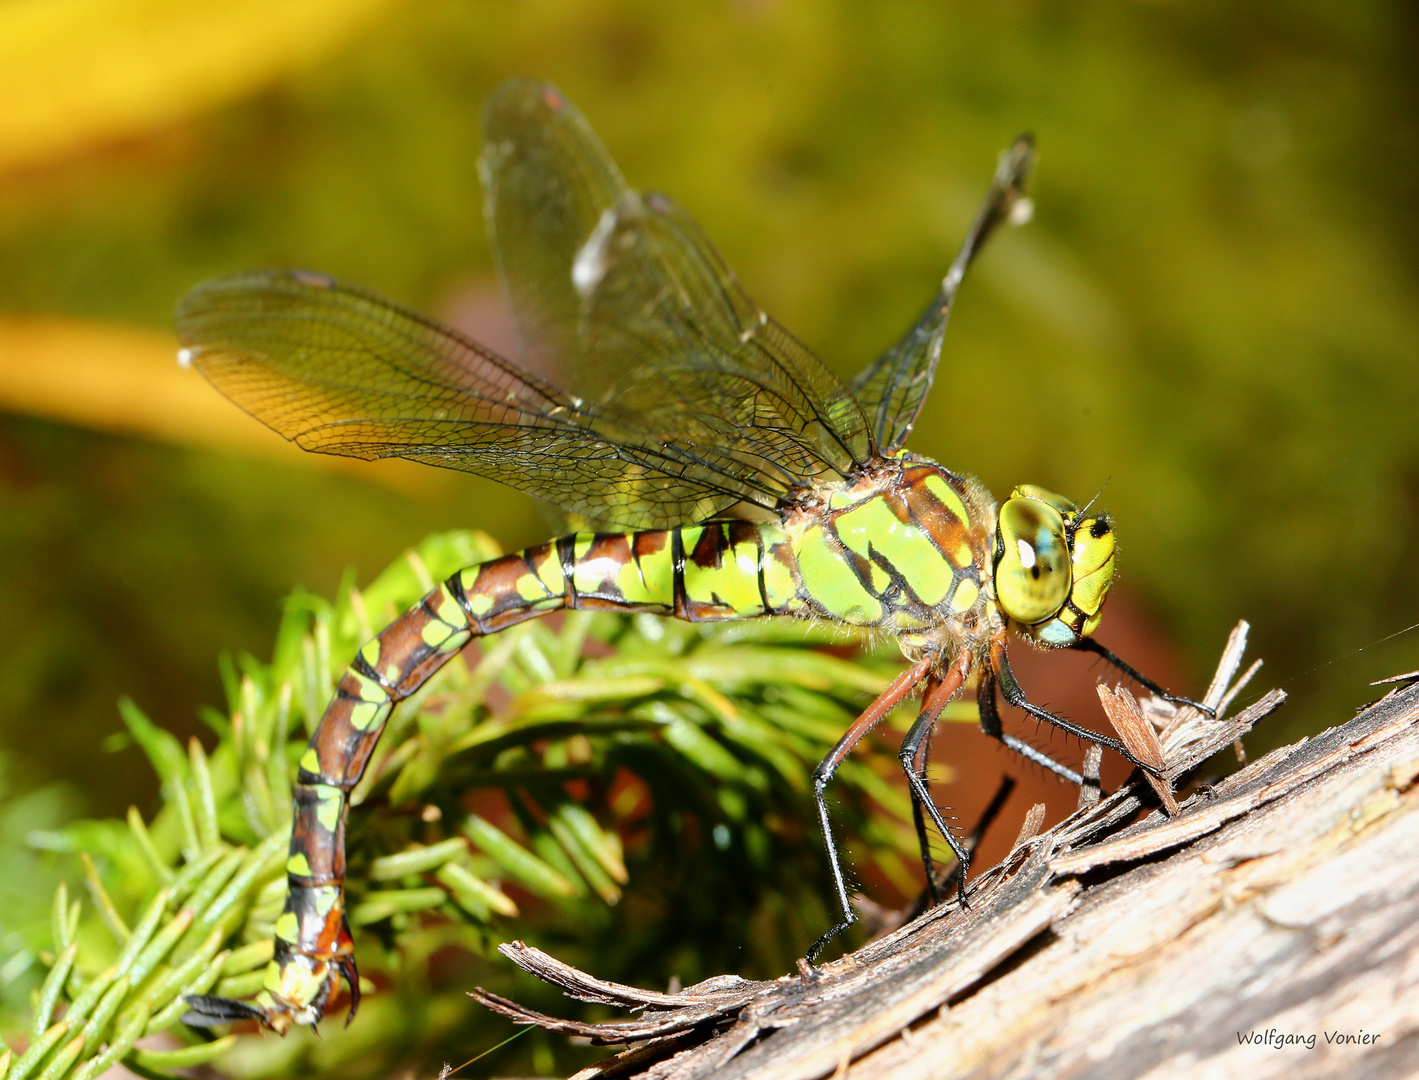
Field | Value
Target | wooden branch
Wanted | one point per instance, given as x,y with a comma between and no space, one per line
1269,929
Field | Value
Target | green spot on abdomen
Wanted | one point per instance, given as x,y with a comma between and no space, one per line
550,569
370,691
367,715
446,608
327,810
655,580
733,583
480,601
530,587
650,583
439,635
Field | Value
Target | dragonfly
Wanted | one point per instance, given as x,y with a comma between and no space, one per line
728,472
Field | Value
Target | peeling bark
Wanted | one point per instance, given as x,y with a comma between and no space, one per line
1281,905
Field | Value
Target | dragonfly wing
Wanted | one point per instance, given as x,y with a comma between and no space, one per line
893,387
623,293
547,180
339,370
668,333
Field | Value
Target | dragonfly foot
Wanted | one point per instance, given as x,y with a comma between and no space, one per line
811,958
1206,710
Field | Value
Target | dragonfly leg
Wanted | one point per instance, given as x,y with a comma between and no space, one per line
913,758
935,890
1088,644
1014,695
990,724
899,688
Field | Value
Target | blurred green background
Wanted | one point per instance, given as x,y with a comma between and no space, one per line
1213,313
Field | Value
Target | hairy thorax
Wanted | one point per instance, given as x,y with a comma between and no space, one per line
903,546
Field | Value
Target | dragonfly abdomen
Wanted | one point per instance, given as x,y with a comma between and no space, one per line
700,573
710,572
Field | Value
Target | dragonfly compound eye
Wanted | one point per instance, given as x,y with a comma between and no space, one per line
1093,561
1032,570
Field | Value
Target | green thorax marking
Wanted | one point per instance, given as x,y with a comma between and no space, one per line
904,547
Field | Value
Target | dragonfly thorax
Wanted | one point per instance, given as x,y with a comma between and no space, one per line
903,545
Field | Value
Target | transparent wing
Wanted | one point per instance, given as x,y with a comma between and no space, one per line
338,370
623,296
893,387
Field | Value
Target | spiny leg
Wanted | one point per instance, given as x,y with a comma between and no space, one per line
990,724
1089,645
1014,695
977,833
928,864
934,888
912,755
899,688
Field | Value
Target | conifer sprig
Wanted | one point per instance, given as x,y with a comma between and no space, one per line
631,787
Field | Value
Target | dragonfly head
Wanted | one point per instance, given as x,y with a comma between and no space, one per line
1054,564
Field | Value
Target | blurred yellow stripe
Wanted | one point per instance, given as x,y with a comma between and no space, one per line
126,380
78,72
